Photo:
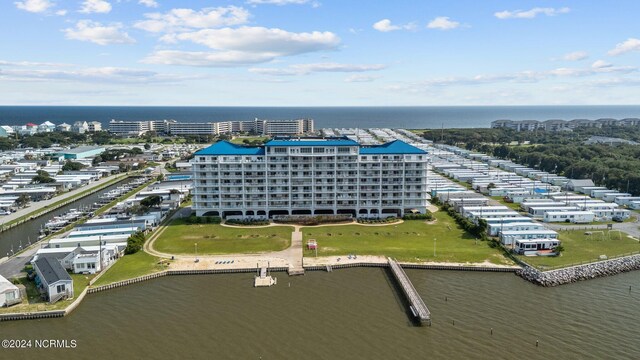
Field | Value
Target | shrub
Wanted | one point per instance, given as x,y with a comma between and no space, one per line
312,220
134,243
426,216
203,220
247,222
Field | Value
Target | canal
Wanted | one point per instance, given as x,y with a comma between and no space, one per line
347,314
26,233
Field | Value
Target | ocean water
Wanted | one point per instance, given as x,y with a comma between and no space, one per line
366,117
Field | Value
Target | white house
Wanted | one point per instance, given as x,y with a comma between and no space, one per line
582,217
53,279
494,229
536,246
46,126
509,237
9,293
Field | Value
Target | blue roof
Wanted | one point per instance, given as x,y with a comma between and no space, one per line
226,148
393,147
313,142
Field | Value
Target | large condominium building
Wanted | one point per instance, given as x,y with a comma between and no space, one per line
310,176
257,126
561,125
129,128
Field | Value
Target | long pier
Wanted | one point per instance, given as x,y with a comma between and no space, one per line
417,305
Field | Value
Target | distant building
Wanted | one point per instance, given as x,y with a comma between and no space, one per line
6,131
81,152
608,141
129,128
94,126
561,125
80,127
63,127
578,184
172,127
46,126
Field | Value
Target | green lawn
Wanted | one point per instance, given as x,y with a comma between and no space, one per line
410,241
511,205
180,238
130,266
579,247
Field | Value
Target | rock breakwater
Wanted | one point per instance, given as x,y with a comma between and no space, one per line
580,272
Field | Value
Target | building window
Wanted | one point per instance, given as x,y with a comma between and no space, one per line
305,150
318,150
60,288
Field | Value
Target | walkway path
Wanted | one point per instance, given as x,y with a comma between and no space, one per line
290,257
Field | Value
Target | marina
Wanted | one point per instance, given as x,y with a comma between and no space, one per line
25,234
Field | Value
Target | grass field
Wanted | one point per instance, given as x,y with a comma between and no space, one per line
410,241
180,238
512,206
579,247
130,266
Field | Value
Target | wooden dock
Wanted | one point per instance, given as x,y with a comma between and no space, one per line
416,304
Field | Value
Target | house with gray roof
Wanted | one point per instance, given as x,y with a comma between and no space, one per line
52,279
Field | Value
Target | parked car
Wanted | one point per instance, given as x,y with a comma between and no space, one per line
617,219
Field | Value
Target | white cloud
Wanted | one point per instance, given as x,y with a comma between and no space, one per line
597,68
95,32
361,78
631,44
31,63
184,19
385,25
61,12
305,69
34,6
601,64
149,3
443,23
101,74
95,6
206,59
530,14
575,56
272,41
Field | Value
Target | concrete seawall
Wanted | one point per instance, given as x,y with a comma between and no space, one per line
580,272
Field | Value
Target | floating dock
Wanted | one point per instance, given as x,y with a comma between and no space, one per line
263,279
416,304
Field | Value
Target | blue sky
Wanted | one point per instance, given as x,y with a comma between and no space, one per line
318,52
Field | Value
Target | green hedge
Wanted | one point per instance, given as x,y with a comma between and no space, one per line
426,216
203,219
247,222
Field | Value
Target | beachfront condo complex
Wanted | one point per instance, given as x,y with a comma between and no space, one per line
310,176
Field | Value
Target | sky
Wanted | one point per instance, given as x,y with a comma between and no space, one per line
319,52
